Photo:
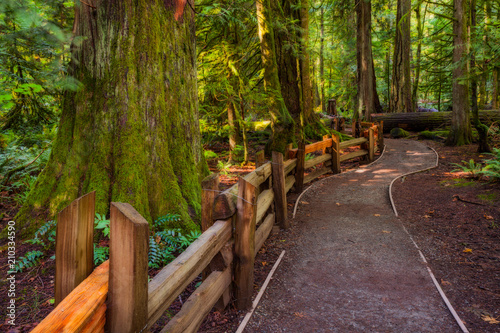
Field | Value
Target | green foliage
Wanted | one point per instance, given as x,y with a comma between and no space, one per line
399,133
492,166
45,236
29,260
471,168
101,223
33,61
101,254
210,154
223,167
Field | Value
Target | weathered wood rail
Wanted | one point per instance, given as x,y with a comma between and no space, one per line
235,225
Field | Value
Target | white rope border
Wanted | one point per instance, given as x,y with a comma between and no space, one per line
436,284
259,295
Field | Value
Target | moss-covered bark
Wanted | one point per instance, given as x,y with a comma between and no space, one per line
131,132
282,123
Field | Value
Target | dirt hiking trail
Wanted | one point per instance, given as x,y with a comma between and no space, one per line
354,268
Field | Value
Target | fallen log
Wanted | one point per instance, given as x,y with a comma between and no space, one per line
421,121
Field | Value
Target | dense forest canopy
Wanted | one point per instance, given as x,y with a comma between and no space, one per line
278,61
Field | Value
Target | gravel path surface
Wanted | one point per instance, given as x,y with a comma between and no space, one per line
354,268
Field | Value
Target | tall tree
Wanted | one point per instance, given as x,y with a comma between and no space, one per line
482,129
282,123
131,132
322,60
305,72
367,97
401,96
460,133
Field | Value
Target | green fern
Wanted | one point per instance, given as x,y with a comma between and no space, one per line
472,168
45,236
101,223
492,168
101,254
29,260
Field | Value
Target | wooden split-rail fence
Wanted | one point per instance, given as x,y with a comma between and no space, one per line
117,297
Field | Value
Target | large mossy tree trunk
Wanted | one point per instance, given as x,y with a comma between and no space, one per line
305,71
460,133
131,132
401,98
282,124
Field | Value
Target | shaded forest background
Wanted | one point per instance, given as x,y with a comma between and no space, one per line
278,61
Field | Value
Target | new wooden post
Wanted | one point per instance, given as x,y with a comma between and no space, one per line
259,158
299,171
371,144
244,244
74,245
336,153
279,190
128,270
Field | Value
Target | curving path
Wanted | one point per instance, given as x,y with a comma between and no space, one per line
354,268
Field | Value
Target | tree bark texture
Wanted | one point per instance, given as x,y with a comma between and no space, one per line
460,133
286,46
401,98
282,123
131,132
305,72
482,130
367,98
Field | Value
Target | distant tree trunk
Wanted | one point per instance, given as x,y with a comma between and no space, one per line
367,98
420,31
401,97
234,130
495,101
483,92
131,132
281,122
305,72
460,133
322,60
482,130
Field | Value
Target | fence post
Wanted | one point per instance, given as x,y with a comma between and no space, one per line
259,158
299,171
74,245
244,244
381,135
128,270
336,154
209,190
279,190
371,145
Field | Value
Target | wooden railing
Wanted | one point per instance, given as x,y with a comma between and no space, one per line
235,225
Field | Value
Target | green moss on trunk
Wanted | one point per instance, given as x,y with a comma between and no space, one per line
131,133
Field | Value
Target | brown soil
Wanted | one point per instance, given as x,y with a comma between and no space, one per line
456,223
438,211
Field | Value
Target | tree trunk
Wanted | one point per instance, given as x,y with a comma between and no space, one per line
460,133
287,60
420,31
234,131
367,97
282,123
131,132
305,72
322,60
401,98
482,130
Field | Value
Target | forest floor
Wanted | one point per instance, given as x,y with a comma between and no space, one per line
453,219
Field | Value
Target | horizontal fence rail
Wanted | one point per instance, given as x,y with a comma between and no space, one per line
235,224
